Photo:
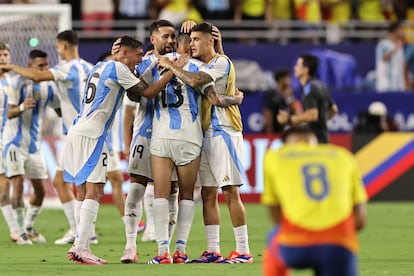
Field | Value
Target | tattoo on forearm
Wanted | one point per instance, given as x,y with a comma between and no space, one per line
191,78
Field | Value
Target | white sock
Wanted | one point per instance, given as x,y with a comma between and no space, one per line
10,218
148,207
173,213
19,212
31,215
69,210
161,225
213,238
184,222
78,205
133,213
242,239
87,219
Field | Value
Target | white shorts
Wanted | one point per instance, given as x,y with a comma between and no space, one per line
114,161
221,161
140,157
180,152
85,159
21,162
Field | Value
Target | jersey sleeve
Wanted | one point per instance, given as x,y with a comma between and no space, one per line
60,72
269,196
218,69
13,91
54,100
126,78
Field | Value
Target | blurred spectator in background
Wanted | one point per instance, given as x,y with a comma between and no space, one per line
252,10
282,9
177,11
282,98
389,56
135,9
374,120
100,12
336,11
309,12
370,10
215,9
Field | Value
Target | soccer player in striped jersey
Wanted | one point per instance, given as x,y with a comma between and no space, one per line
220,165
104,92
5,203
70,77
22,136
317,201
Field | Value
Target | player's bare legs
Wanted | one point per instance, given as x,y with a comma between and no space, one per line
116,178
67,198
162,169
238,218
91,195
7,209
35,203
187,175
133,214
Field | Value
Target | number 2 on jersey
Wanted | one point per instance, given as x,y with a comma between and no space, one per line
316,181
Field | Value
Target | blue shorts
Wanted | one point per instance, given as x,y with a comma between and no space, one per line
324,260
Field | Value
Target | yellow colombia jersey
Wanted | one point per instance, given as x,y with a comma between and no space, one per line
219,117
316,188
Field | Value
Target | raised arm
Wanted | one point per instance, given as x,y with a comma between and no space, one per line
30,73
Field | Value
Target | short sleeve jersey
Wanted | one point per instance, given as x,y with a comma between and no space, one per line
104,93
70,78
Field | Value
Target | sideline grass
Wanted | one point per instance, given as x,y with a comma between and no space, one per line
386,246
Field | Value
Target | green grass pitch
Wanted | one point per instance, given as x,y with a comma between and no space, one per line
386,246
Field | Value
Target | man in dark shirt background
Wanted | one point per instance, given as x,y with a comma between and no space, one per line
280,99
317,103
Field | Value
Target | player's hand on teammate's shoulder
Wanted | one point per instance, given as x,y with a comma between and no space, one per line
116,46
164,62
182,60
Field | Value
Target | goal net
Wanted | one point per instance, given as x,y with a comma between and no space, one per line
32,26
35,26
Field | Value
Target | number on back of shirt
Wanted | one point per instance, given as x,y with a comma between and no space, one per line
316,180
91,90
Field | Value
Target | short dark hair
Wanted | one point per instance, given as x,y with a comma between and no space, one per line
183,38
130,42
68,36
311,62
156,25
203,27
300,130
394,26
280,74
37,54
4,46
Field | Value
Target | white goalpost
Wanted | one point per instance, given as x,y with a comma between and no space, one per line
33,26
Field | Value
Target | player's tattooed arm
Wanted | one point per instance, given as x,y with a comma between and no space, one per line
222,100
